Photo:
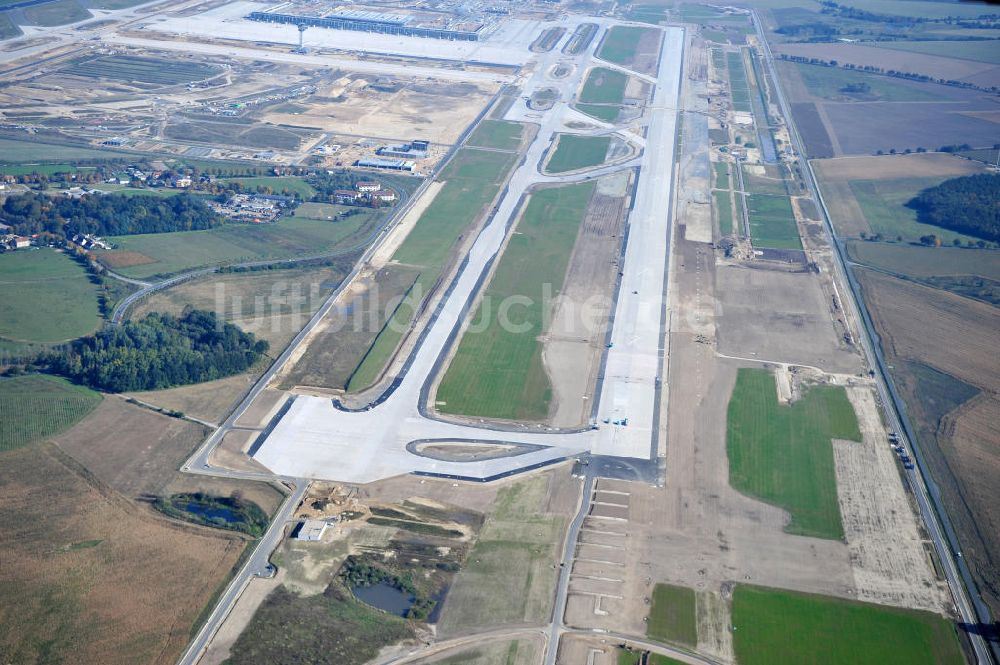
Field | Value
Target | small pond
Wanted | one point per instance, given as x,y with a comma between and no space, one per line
209,512
385,597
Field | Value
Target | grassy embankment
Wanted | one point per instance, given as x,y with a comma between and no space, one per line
774,626
602,93
497,371
578,152
783,455
472,179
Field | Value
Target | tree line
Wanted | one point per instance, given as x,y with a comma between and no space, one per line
158,351
969,204
106,214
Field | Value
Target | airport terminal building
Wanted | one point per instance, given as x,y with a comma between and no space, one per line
378,22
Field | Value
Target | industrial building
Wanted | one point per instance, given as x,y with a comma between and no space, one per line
391,164
312,530
411,150
434,26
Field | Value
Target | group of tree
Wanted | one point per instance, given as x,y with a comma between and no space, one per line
158,351
969,204
106,214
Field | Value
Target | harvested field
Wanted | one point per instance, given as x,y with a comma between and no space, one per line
772,626
812,129
869,194
889,59
939,367
515,652
836,84
89,577
237,135
48,297
38,406
782,454
497,370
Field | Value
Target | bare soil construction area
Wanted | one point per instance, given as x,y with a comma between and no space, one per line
696,531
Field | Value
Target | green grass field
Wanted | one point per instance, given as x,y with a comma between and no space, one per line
287,185
773,626
672,616
772,222
605,112
497,370
739,85
13,151
143,70
646,13
620,43
472,180
233,243
724,208
55,13
827,82
38,406
883,203
604,86
497,134
48,297
721,175
635,658
783,455
510,574
578,152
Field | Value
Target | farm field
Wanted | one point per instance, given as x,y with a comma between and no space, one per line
883,204
254,135
56,13
772,222
38,406
498,373
980,50
782,454
131,68
150,254
577,152
829,83
773,626
472,179
943,368
635,658
510,574
919,262
13,151
497,134
672,615
49,297
91,577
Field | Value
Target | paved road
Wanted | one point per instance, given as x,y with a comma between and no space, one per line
970,607
256,565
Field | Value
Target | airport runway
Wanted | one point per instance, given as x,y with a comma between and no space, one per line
316,440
